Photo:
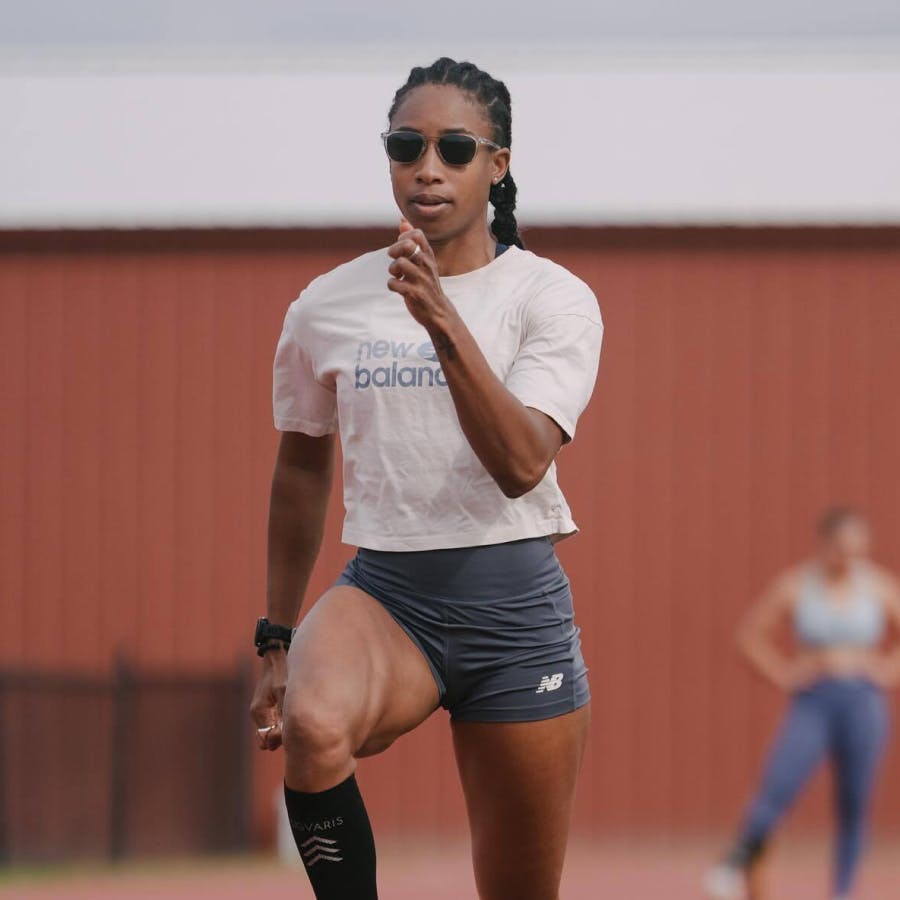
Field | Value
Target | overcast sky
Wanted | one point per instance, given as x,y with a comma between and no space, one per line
169,24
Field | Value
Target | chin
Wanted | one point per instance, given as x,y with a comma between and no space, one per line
441,229
435,232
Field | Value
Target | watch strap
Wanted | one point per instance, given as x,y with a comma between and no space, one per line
267,631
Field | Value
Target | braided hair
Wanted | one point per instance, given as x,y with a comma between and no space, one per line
495,100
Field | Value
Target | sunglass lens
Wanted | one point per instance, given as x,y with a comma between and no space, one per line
404,146
457,149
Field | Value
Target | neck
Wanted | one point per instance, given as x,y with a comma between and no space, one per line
835,570
464,252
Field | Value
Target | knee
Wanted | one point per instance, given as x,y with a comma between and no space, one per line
766,809
773,799
315,738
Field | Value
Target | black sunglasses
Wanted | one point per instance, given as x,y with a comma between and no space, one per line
454,148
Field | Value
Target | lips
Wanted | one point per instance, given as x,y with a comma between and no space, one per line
428,205
429,199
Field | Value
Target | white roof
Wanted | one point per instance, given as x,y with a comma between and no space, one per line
213,23
603,134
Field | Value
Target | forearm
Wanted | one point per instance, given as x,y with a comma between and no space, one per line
297,507
890,666
501,430
766,660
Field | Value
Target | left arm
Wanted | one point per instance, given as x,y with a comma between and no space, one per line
887,665
514,442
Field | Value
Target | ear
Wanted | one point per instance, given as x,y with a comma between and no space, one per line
500,165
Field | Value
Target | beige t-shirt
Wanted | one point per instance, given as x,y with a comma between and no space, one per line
352,359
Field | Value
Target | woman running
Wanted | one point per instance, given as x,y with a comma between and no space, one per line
453,365
840,605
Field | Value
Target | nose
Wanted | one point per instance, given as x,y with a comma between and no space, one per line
431,166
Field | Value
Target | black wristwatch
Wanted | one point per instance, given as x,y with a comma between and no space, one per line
267,633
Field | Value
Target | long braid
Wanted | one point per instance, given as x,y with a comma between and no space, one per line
495,100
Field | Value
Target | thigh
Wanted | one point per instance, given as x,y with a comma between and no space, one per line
353,668
799,747
519,783
859,742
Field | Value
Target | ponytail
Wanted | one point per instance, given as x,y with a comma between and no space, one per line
504,225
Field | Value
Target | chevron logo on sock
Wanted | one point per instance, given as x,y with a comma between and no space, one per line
318,849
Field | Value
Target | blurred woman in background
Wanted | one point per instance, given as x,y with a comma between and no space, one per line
840,605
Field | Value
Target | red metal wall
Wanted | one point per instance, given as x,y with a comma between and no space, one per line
748,378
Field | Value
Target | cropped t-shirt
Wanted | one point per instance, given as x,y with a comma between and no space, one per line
351,359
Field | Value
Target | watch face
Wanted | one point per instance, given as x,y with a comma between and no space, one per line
258,634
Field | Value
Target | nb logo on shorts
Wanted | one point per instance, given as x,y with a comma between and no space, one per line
550,683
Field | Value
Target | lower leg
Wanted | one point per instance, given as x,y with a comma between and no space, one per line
858,749
355,682
798,749
853,794
850,845
326,811
333,835
746,850
756,877
800,745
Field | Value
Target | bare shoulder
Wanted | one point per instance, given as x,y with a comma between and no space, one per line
886,584
783,590
777,599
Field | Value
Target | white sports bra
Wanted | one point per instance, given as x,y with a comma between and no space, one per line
821,622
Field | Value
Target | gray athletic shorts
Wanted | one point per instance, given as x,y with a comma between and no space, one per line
495,624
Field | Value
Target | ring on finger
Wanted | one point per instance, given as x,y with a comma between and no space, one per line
418,248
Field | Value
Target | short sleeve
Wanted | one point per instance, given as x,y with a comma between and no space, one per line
300,401
556,366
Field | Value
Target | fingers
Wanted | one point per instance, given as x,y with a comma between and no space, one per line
399,286
266,716
268,723
269,736
261,711
405,268
413,273
404,249
406,279
411,242
412,245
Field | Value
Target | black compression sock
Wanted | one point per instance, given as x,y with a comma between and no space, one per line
335,841
745,852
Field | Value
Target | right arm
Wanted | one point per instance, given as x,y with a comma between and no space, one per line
755,636
301,485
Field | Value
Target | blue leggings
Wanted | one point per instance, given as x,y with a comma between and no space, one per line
846,719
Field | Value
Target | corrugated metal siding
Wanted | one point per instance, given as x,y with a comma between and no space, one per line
748,378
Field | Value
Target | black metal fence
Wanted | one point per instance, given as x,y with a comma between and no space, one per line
134,764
